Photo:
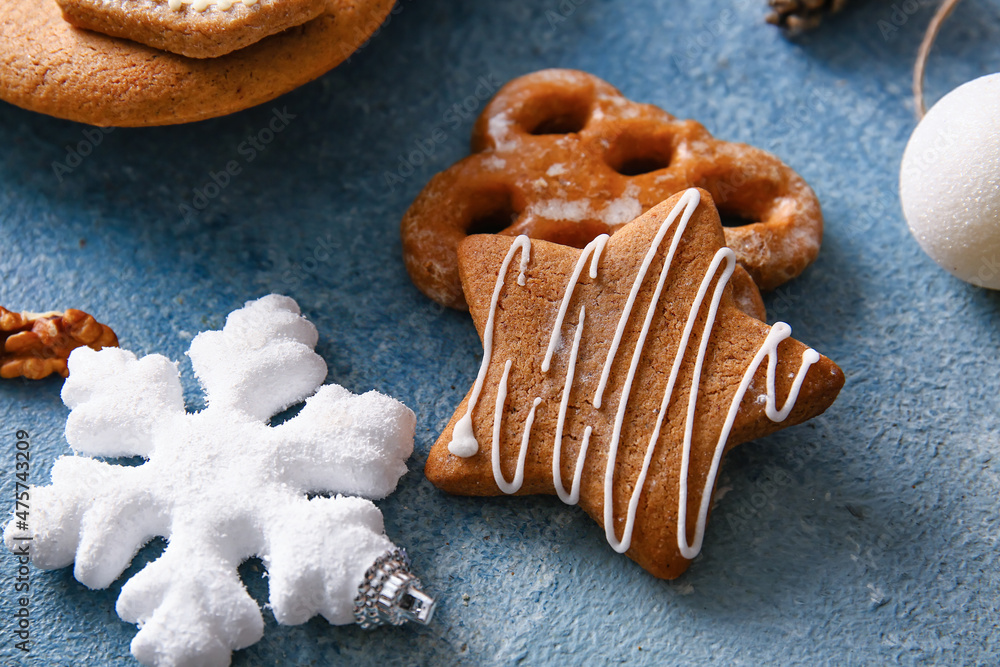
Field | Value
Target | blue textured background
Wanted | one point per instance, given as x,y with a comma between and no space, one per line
864,537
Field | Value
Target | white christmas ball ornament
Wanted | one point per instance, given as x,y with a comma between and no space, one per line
949,182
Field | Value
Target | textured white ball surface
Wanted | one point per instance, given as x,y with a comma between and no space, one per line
949,182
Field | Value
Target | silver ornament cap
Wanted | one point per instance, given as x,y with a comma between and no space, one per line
391,595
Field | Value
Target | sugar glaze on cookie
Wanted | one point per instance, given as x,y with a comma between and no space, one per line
202,5
465,444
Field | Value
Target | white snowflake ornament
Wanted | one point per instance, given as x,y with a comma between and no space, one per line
222,485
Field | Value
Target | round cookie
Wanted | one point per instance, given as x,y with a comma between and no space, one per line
46,65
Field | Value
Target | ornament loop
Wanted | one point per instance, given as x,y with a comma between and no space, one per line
391,594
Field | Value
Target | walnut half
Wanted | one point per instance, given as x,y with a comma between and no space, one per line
35,345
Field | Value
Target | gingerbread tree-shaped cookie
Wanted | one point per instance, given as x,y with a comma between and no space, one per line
563,156
618,375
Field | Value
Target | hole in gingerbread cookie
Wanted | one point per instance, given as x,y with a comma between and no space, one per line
732,218
566,123
742,196
557,112
637,153
492,213
642,165
492,223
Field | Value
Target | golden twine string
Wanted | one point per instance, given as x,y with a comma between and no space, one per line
925,49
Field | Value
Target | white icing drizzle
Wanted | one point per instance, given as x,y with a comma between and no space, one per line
515,484
689,200
573,497
202,5
463,440
596,247
609,528
463,435
779,332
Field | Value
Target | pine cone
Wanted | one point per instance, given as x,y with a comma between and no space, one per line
799,15
35,345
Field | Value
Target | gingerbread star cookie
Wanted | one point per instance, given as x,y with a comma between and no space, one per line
618,375
563,156
193,28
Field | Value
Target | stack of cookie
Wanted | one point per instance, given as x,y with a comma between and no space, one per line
157,62
612,258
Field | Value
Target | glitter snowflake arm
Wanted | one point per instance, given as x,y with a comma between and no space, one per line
96,514
118,402
344,443
317,561
262,361
191,607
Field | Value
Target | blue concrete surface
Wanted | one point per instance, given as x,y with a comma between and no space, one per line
868,536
